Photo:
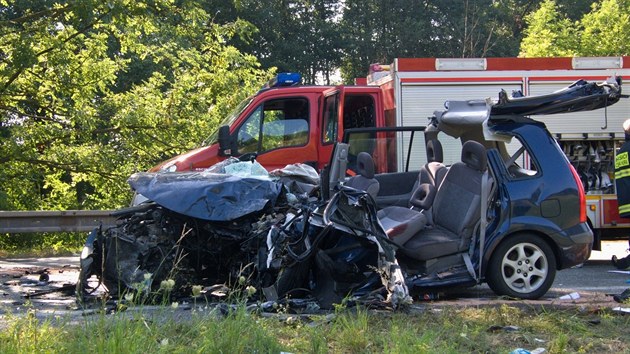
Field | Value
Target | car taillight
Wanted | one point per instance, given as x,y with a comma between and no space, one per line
580,187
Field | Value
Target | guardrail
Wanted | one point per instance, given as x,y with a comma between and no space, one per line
54,221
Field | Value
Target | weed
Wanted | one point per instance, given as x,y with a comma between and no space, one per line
354,330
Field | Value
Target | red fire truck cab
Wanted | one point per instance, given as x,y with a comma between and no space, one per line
288,123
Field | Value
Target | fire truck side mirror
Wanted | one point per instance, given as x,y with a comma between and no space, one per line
225,141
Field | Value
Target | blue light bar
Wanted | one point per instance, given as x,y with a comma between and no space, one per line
285,79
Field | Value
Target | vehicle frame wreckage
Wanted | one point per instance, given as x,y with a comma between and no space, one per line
374,238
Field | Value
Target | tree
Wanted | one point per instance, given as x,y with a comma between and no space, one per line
92,91
549,33
601,32
476,28
379,31
290,35
606,29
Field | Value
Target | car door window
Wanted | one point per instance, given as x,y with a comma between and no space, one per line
518,160
249,133
358,111
284,132
275,124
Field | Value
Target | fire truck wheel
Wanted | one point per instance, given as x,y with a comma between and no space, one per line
523,266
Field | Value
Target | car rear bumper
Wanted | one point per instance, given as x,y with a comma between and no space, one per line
578,249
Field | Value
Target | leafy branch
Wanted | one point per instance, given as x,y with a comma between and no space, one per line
83,30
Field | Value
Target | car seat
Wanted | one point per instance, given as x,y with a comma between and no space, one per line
433,171
456,208
400,223
364,180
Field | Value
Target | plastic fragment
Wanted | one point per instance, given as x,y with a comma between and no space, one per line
525,351
571,296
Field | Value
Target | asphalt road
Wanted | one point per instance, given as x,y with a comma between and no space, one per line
593,282
598,274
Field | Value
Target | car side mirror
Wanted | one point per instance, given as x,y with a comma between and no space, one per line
225,141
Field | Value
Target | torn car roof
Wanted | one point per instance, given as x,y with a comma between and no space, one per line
462,119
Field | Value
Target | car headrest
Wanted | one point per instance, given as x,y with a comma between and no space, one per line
474,155
434,151
365,165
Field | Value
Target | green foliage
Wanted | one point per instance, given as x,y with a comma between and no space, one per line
601,32
606,29
41,244
28,335
291,35
377,31
548,33
315,37
93,91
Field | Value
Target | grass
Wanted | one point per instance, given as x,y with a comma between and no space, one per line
434,330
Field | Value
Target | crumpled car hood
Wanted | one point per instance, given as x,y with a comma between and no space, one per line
207,196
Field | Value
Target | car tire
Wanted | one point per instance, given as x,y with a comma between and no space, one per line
522,266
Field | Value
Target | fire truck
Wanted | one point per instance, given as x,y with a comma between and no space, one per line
414,87
288,123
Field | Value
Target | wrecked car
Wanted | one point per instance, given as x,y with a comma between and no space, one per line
510,211
269,233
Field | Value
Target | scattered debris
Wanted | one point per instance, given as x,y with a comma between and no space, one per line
496,328
67,289
623,297
622,310
571,296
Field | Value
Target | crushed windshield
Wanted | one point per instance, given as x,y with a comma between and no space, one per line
214,137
